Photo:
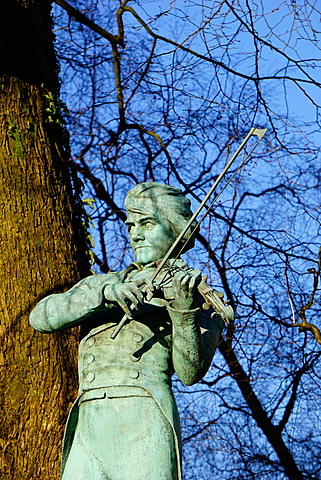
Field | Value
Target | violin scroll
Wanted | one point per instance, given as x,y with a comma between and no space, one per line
213,298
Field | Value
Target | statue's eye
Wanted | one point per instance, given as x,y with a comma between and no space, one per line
148,223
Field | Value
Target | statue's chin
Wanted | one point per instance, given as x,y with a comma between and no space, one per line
145,255
145,261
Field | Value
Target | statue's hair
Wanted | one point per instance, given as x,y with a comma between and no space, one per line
168,201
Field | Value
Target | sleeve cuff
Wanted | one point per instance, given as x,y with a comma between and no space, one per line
175,310
183,317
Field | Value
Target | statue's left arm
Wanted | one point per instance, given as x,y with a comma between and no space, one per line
195,332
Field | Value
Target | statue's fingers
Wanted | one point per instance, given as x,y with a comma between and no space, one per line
197,274
176,280
122,303
180,279
195,279
186,281
137,292
130,298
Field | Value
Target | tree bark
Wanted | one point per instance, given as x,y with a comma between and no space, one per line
43,249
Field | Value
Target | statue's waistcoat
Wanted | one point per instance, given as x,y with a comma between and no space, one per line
138,356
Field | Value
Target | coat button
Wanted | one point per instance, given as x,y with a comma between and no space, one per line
134,374
90,377
91,341
90,359
137,337
135,358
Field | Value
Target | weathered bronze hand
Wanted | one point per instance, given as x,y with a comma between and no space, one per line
122,293
185,292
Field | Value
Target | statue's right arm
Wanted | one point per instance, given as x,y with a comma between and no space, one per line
63,310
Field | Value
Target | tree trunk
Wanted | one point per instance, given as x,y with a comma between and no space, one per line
42,245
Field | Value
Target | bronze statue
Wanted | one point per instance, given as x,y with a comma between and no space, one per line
124,424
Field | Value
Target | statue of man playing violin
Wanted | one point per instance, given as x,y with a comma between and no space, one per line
124,424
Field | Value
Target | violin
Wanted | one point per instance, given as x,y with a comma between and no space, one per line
212,297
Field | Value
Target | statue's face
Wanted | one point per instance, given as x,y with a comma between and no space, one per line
150,236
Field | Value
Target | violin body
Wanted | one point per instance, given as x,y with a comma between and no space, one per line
161,293
212,297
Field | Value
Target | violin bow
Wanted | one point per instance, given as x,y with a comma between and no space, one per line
258,132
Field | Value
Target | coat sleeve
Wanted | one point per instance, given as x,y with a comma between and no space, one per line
63,310
196,334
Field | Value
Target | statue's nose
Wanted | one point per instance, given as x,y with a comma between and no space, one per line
136,234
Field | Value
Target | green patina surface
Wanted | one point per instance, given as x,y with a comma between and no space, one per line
125,424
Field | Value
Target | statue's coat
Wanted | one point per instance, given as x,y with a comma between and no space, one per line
143,357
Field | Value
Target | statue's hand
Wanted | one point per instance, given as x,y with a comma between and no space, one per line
124,293
184,283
